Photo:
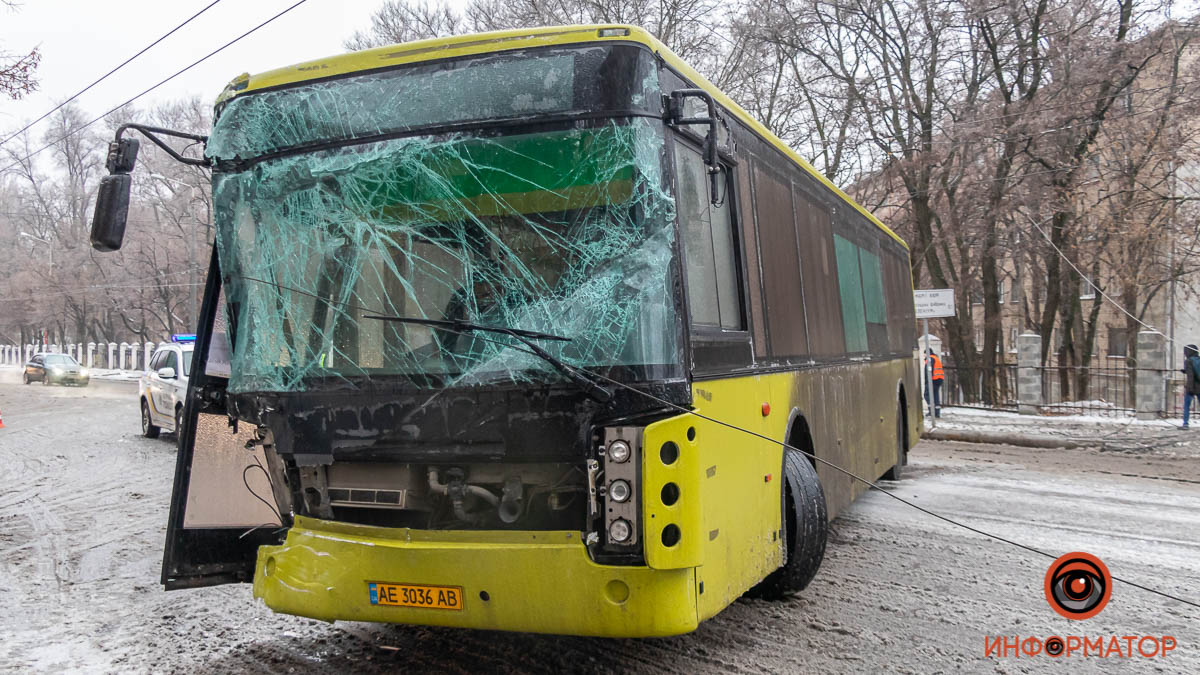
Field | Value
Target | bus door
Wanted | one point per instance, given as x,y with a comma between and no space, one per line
222,505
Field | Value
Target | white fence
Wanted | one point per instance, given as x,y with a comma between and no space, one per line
110,355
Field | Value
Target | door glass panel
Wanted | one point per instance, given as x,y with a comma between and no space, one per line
708,247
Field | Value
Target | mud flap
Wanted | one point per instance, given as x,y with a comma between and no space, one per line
222,507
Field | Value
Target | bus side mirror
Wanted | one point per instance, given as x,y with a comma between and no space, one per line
112,209
112,199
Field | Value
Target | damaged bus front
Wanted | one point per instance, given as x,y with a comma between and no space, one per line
427,280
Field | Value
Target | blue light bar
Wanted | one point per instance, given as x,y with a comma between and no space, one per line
183,337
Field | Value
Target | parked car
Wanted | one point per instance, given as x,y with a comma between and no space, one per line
163,387
55,369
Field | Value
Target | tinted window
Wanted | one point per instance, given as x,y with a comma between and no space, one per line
172,361
60,360
850,284
186,362
780,265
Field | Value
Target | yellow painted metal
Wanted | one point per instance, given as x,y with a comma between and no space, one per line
669,438
484,43
741,509
541,582
850,412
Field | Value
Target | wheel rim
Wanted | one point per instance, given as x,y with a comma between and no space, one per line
145,419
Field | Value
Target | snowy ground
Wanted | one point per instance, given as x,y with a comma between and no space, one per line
84,503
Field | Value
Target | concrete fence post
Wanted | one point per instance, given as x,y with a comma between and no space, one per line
1151,366
1029,373
148,353
110,361
91,359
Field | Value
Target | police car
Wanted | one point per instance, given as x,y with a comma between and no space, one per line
163,387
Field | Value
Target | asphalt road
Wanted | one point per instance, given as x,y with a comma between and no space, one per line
83,507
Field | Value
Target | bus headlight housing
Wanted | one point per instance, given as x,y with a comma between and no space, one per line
619,491
620,530
618,451
620,511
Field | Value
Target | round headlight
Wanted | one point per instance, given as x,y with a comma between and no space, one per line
618,490
619,530
618,451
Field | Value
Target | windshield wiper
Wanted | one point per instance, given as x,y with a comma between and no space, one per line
593,390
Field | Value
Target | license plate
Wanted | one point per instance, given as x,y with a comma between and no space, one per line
415,595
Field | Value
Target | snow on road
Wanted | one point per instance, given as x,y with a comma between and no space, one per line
84,500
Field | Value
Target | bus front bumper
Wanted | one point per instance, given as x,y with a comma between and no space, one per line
542,582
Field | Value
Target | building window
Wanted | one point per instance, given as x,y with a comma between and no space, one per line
1000,290
1088,292
1118,342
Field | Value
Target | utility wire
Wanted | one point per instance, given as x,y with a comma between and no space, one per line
106,75
583,372
1083,276
156,86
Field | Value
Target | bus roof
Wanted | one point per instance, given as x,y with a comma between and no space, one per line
483,43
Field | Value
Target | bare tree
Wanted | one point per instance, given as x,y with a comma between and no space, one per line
17,71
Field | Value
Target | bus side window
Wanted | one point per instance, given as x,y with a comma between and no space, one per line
709,251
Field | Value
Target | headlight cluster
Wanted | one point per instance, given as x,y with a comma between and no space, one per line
620,453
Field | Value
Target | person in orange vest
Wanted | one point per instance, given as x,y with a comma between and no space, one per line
933,365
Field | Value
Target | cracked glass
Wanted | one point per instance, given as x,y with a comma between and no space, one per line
560,228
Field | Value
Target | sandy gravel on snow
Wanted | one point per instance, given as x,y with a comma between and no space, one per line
84,501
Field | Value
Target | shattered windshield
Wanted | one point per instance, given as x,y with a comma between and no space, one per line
564,230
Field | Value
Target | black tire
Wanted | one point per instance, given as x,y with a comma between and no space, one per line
178,419
805,529
25,376
897,470
148,428
45,379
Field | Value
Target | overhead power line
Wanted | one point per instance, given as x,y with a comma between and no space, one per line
156,86
106,75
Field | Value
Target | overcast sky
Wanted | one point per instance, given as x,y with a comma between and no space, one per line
81,40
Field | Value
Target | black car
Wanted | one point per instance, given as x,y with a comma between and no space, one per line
55,369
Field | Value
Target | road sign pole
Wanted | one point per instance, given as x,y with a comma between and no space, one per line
928,373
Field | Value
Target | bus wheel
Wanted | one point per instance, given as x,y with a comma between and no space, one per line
805,530
897,470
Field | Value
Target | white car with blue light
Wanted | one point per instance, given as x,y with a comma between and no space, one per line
163,387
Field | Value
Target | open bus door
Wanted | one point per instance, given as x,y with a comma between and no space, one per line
222,506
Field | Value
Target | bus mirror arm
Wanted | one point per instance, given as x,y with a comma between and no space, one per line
112,197
675,116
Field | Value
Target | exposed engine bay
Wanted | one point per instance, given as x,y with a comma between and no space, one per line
451,472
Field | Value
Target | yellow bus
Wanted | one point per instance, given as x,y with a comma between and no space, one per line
487,323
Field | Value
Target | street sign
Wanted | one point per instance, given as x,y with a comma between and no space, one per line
934,303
